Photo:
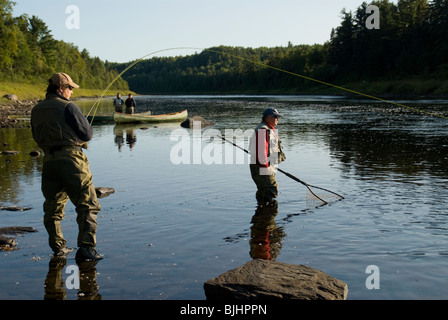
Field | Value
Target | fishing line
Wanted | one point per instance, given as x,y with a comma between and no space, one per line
96,103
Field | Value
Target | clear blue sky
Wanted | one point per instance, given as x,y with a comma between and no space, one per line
121,31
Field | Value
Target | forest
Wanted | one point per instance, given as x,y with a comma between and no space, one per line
408,51
29,54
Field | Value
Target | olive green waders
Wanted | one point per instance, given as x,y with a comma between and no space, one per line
267,187
65,175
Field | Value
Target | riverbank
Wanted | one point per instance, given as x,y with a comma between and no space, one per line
13,112
23,97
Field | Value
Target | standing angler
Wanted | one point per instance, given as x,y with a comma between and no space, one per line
266,154
61,130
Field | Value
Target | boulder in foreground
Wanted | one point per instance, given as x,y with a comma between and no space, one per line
271,280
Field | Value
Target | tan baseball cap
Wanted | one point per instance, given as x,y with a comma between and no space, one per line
60,79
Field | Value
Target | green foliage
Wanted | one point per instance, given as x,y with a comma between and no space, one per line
227,69
29,53
411,41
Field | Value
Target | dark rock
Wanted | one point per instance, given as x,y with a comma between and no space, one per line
271,280
102,192
196,120
7,244
14,208
17,230
10,152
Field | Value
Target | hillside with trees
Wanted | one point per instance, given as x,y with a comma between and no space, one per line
29,53
407,54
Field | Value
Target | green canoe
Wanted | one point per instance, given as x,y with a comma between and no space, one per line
147,117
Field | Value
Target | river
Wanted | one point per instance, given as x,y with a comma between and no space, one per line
175,222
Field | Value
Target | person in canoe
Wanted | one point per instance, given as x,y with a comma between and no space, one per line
118,103
130,104
62,131
266,153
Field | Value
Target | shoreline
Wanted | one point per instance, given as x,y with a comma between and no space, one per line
11,112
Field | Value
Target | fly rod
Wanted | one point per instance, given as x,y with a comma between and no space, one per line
309,186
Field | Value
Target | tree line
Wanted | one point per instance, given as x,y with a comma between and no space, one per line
29,53
412,42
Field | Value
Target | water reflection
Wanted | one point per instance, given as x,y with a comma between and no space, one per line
18,169
54,283
131,138
265,236
56,287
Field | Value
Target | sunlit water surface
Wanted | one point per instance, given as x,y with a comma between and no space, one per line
170,227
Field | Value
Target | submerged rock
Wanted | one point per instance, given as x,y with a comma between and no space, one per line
9,243
15,208
17,230
266,279
196,120
102,192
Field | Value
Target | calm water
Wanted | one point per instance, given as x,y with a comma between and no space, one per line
169,228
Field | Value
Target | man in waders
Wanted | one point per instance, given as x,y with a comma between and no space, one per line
61,130
266,153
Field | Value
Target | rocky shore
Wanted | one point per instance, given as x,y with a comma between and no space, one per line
16,113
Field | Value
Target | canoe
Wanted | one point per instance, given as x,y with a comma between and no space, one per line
101,118
147,117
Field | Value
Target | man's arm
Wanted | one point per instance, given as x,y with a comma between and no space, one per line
78,122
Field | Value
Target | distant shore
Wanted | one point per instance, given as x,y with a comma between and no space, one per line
12,113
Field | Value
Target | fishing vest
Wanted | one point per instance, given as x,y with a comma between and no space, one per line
48,124
275,153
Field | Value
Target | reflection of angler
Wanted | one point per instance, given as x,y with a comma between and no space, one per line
55,286
88,286
119,140
131,139
119,137
265,242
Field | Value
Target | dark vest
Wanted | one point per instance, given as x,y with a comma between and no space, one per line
49,126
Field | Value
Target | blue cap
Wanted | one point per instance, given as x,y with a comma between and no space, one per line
273,112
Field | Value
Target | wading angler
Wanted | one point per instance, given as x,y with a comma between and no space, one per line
62,132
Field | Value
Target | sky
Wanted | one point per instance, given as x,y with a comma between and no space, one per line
126,30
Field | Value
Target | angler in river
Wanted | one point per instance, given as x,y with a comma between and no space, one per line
266,154
62,131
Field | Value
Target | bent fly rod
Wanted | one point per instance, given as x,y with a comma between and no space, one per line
308,186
